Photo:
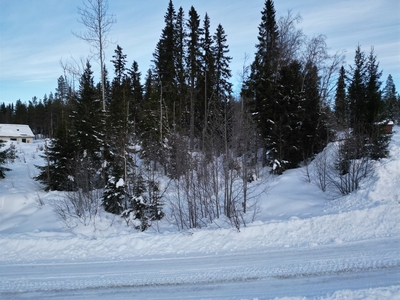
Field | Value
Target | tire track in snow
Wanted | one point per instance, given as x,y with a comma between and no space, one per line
196,271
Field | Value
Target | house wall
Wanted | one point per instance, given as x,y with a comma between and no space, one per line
27,140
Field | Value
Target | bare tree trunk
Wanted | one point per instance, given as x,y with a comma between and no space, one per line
98,24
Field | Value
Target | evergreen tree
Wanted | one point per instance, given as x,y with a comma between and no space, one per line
378,139
150,122
341,111
261,88
115,198
193,63
6,113
62,89
366,106
180,118
206,86
390,98
221,108
374,104
285,136
164,60
314,126
21,113
87,128
135,107
357,90
3,157
222,86
58,173
87,116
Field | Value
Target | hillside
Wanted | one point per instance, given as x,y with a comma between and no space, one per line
302,243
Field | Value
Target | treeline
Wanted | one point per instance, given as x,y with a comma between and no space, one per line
185,124
42,115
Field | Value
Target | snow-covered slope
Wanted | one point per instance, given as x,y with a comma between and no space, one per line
303,243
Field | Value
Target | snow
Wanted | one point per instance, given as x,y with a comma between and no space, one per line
120,183
302,245
15,130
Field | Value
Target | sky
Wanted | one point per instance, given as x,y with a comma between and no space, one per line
35,36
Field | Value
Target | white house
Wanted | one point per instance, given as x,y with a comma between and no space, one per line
16,132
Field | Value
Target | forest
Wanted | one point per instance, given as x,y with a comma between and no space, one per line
122,143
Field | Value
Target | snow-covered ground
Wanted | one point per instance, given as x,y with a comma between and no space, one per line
303,245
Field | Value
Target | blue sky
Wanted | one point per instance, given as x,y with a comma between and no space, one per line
36,35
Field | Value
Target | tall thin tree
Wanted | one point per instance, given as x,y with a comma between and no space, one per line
98,23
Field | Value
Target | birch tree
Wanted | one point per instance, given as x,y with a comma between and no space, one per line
98,23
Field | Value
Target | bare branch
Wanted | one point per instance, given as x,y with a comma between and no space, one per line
98,24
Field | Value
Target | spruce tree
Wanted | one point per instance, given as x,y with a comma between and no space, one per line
378,142
87,116
207,75
193,63
365,104
284,141
261,88
3,157
221,108
135,107
115,198
357,90
222,85
341,111
389,96
180,120
314,127
59,171
87,120
164,61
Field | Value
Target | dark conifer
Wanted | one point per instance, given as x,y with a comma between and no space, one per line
3,158
193,63
260,88
389,96
341,110
164,61
59,171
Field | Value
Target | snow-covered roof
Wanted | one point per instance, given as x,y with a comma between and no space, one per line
15,130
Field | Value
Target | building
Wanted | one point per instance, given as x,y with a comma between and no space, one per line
389,127
16,132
